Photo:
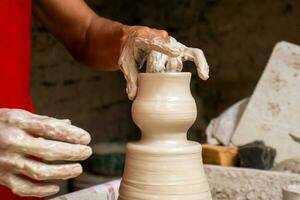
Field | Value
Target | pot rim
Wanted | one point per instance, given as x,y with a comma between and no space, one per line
166,74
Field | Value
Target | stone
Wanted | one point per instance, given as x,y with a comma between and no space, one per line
291,165
291,192
219,155
273,114
233,183
256,155
222,127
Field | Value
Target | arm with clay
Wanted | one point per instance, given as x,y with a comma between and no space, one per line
108,45
93,40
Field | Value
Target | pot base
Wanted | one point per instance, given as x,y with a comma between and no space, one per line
154,172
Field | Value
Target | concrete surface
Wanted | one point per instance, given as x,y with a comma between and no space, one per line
231,183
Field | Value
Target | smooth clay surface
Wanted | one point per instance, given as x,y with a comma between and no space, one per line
164,164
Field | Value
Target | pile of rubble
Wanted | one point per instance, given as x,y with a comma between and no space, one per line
261,132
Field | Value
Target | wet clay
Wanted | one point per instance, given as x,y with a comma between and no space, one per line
24,134
161,57
164,164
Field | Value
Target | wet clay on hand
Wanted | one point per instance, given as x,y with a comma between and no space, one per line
161,57
24,134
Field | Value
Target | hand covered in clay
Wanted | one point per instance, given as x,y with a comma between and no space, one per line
162,52
24,134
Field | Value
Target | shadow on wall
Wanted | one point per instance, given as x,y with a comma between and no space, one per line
237,37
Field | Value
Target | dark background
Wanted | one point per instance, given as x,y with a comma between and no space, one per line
237,37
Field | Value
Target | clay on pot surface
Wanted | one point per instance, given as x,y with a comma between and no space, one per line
164,164
291,192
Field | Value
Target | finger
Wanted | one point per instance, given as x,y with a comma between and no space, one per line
46,126
19,141
174,64
157,44
24,187
54,150
128,66
37,170
156,62
56,129
197,56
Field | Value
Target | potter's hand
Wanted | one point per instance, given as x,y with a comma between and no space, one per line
24,134
163,54
137,42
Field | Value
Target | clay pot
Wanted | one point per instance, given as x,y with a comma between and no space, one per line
291,192
164,164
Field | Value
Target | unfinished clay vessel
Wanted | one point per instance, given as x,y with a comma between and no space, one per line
164,164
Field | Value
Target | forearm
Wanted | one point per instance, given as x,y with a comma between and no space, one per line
102,44
92,40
